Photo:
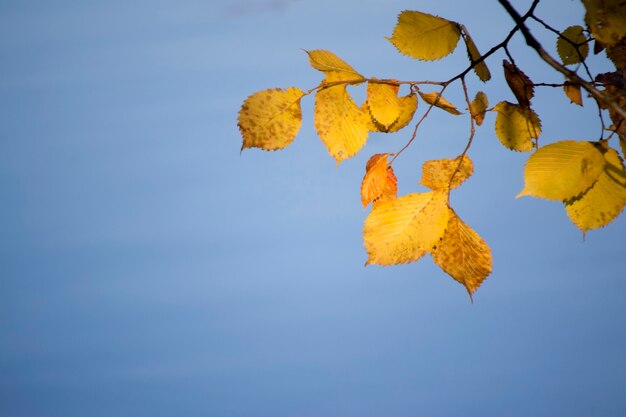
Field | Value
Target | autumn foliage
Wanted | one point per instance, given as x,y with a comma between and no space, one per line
587,177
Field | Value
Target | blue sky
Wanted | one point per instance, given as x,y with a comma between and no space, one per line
147,268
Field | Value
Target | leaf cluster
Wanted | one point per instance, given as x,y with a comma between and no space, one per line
587,176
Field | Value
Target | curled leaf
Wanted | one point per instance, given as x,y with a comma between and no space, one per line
516,127
519,83
379,183
438,174
463,254
408,106
383,102
481,69
435,99
572,45
562,170
424,36
405,229
572,91
270,119
478,107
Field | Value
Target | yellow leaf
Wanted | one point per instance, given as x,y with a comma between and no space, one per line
474,55
478,107
519,83
383,102
408,106
572,91
424,36
327,62
435,99
603,202
606,19
379,183
516,127
572,45
270,119
436,174
562,170
340,123
463,254
404,229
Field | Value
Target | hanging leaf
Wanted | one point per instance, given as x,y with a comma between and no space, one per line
572,45
519,83
270,119
383,103
606,19
340,123
562,170
379,183
405,229
424,36
435,99
481,69
437,174
329,63
463,254
478,107
516,127
408,106
605,200
572,91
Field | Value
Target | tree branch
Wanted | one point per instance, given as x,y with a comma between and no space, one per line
569,74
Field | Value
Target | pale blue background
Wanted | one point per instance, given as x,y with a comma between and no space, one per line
147,269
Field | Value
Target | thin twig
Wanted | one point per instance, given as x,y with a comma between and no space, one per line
570,75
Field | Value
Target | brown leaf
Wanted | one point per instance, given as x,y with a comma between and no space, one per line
519,83
572,91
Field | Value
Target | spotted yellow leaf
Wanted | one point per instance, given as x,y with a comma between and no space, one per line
383,102
516,127
405,229
562,170
379,183
478,107
606,19
463,254
340,123
270,119
572,45
435,99
424,36
572,91
481,69
329,63
605,200
438,174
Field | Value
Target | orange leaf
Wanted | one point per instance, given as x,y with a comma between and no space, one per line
379,183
